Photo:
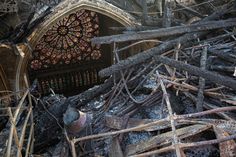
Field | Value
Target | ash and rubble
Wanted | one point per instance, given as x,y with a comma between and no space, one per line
176,99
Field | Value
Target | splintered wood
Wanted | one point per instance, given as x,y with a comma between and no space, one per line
174,99
19,132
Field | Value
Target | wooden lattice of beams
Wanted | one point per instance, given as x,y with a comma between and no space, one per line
8,6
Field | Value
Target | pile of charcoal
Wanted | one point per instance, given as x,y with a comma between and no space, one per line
175,98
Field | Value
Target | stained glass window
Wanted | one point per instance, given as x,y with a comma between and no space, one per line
68,41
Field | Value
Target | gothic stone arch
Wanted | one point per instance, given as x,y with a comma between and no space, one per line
62,10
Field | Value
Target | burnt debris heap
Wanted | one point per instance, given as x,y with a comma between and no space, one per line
175,98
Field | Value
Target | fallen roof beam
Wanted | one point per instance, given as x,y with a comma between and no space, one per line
163,32
211,76
148,54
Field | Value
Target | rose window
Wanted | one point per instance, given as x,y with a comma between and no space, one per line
68,41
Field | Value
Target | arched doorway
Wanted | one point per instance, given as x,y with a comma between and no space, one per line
63,58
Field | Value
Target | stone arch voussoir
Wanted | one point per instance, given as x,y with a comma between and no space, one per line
63,9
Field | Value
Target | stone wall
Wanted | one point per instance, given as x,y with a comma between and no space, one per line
8,60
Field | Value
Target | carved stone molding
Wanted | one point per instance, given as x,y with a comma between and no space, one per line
64,9
69,6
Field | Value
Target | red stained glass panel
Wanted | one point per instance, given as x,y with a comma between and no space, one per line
68,42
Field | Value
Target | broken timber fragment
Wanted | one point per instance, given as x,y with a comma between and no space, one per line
115,122
227,148
62,149
208,106
145,55
145,11
227,125
211,76
230,69
87,95
190,10
223,55
48,132
148,54
165,138
115,150
163,32
202,81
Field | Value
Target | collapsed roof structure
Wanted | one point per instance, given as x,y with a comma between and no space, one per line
118,78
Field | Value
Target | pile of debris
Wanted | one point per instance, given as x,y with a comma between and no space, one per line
170,100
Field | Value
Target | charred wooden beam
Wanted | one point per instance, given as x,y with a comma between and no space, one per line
115,149
164,139
163,32
202,81
146,55
48,133
190,10
87,95
222,68
220,37
211,76
145,11
227,56
135,28
167,14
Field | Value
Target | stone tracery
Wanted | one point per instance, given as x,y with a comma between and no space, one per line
68,41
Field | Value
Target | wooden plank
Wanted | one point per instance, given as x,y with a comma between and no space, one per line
164,138
163,32
115,150
4,87
211,76
115,122
202,81
147,55
227,148
3,80
167,14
